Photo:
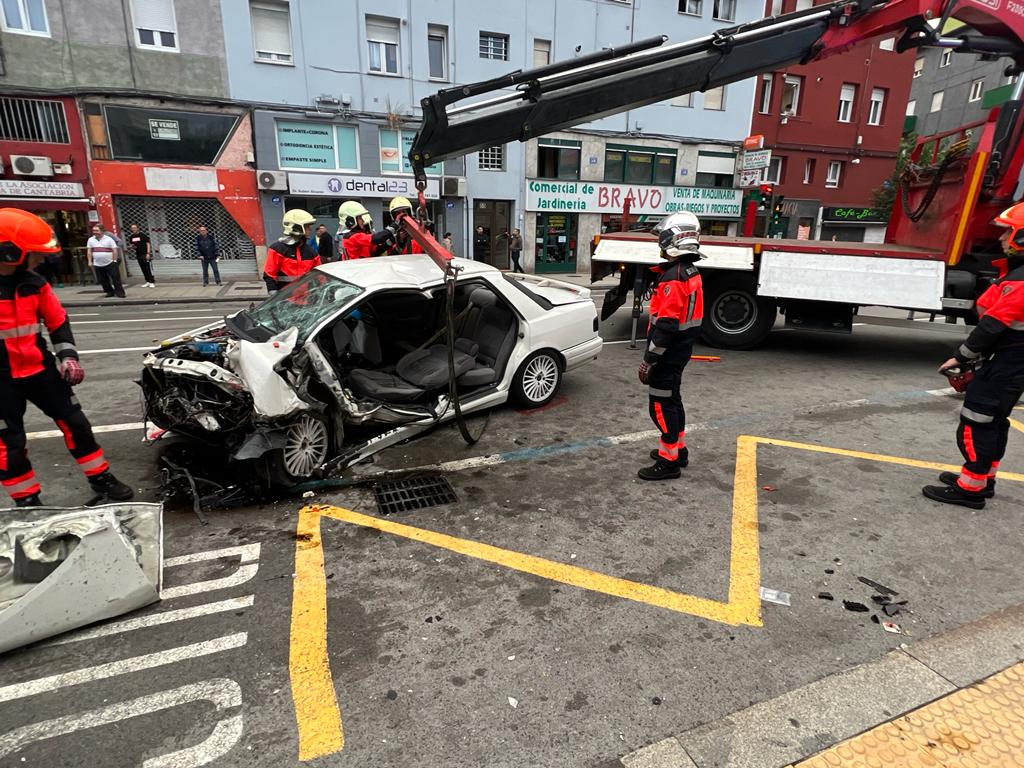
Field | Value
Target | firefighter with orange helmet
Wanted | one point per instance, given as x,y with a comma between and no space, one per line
996,345
30,372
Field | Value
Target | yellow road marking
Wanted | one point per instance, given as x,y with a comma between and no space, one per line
1018,425
316,708
316,705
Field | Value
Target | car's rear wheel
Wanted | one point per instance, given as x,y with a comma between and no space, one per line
537,381
307,446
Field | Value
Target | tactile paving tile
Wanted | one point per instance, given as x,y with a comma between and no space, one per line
981,726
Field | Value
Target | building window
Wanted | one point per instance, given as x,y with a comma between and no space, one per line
936,101
271,31
947,58
919,66
558,160
36,120
541,52
809,171
889,44
686,100
976,89
692,7
493,46
437,51
773,173
382,41
394,152
776,7
155,26
639,165
25,16
492,158
303,145
791,95
714,98
765,102
911,107
724,10
846,96
876,109
803,5
835,174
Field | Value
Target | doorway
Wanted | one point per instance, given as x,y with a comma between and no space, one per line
495,216
556,242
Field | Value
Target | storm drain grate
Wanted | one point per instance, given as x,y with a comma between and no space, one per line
413,493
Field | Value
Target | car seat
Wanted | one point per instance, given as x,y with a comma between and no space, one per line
491,328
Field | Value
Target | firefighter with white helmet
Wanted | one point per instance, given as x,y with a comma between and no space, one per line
292,255
676,311
357,238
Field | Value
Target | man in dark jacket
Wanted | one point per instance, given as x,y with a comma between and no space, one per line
208,252
481,245
325,245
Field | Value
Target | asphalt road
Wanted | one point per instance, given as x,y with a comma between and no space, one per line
560,613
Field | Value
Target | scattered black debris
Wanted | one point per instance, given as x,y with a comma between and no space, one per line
875,619
893,609
825,596
837,560
850,605
880,599
437,618
656,701
413,493
875,585
830,571
430,619
392,695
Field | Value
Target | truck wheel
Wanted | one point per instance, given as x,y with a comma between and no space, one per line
735,317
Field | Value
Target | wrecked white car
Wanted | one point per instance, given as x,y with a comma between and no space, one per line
353,357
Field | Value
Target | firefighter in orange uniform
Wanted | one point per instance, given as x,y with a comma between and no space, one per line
291,256
29,372
399,207
677,307
358,240
997,343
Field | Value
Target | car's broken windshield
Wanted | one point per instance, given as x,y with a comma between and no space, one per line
303,304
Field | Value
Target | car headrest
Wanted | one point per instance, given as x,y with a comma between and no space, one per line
482,298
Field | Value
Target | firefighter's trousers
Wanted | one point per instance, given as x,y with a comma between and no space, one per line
984,419
52,395
666,402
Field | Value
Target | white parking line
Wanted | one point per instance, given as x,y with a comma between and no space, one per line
85,314
247,568
123,667
154,620
126,427
149,320
115,351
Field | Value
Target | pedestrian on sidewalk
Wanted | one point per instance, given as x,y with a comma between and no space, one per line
448,244
103,255
996,345
515,249
481,245
325,245
142,248
30,372
208,252
677,308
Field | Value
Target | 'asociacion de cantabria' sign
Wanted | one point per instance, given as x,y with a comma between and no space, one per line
598,197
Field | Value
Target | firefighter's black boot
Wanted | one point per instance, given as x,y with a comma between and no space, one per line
682,461
107,485
950,478
29,501
954,494
662,470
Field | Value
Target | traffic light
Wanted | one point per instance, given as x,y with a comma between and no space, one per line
767,190
777,210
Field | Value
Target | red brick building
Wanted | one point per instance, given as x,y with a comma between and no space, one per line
834,129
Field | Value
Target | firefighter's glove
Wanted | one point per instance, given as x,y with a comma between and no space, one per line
72,371
644,373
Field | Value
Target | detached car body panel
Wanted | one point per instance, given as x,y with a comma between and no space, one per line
353,357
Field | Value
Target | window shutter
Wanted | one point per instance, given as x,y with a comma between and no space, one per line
270,28
381,29
157,15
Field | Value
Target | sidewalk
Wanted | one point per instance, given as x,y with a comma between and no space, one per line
166,292
955,699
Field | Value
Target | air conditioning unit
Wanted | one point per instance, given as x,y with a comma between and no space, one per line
31,165
452,186
272,180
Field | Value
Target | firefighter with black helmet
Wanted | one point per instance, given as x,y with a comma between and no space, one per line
31,373
996,345
291,256
676,311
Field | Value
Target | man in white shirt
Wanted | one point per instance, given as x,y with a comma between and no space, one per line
104,258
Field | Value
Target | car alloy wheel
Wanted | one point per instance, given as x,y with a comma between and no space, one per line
540,377
305,447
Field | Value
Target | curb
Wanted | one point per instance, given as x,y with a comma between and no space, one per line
803,722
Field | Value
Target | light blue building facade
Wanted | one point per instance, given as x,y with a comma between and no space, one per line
340,82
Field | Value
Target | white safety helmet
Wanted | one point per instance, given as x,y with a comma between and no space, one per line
679,234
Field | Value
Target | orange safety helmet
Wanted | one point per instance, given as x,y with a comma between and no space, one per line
1013,219
22,233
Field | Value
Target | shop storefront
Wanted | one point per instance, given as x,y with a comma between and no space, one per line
557,241
854,224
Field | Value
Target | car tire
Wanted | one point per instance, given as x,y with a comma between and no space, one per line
307,447
735,317
538,379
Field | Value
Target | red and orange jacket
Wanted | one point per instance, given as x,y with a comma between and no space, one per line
27,306
287,262
409,246
1001,309
677,309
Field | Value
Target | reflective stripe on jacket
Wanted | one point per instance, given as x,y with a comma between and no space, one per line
1001,312
677,308
27,307
288,261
